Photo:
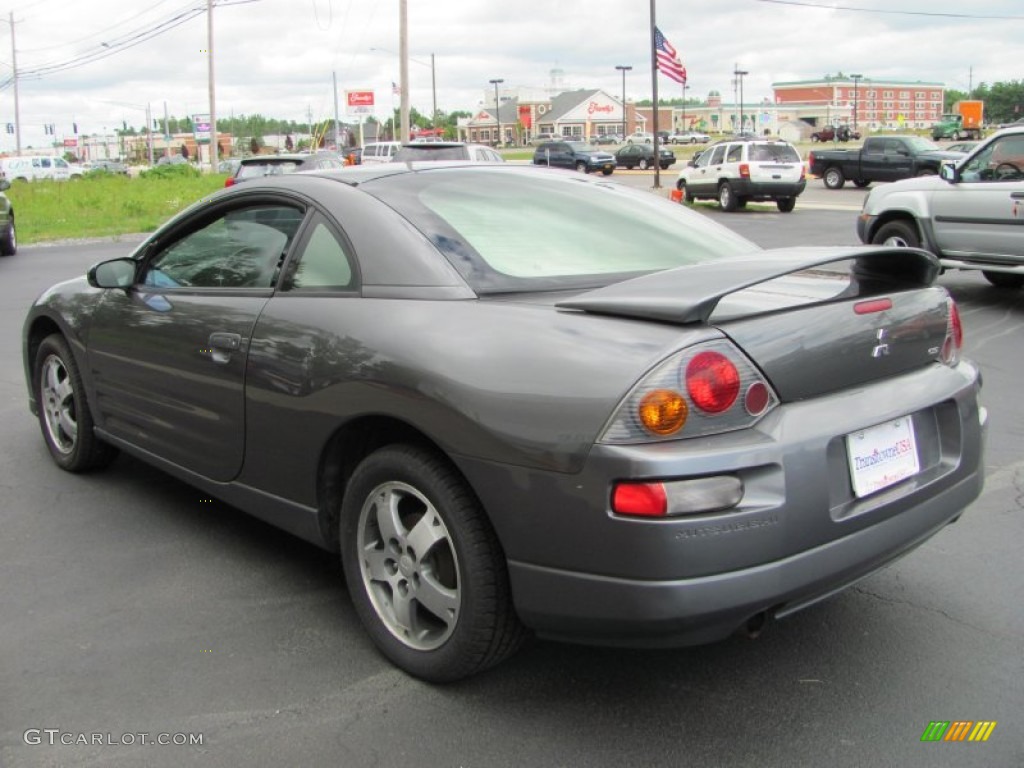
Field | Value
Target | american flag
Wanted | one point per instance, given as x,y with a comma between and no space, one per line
668,58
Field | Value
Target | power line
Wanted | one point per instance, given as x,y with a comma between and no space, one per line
91,35
882,10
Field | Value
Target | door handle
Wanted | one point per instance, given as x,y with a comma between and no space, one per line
222,345
228,341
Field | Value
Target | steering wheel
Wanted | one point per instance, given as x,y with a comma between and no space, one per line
1006,170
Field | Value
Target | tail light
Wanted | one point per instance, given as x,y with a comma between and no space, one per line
229,181
954,335
744,171
803,172
702,390
810,159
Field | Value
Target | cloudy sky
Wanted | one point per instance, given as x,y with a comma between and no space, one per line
98,62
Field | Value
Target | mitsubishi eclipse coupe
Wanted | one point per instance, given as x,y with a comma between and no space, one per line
520,402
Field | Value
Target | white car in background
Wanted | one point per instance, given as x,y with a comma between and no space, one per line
689,137
38,168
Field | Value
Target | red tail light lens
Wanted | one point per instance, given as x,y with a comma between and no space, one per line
954,335
712,381
744,171
641,499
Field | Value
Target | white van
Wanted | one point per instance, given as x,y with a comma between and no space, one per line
380,151
37,167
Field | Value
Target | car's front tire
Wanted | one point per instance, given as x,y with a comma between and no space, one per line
900,234
425,570
1004,279
642,165
64,414
9,240
582,167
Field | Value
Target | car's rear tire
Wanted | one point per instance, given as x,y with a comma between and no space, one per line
834,178
786,204
900,234
927,172
727,197
425,570
64,414
9,240
1004,280
642,165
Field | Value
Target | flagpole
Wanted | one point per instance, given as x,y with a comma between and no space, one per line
654,89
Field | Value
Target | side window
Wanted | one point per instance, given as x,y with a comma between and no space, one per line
717,155
1002,160
59,163
704,159
735,153
243,248
45,162
322,264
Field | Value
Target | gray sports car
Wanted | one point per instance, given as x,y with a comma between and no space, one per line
522,401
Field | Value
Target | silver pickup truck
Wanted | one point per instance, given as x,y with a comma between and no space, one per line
971,215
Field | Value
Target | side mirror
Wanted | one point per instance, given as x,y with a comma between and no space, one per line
947,171
116,273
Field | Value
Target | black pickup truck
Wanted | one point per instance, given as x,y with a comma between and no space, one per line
882,158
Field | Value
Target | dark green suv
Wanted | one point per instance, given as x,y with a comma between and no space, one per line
574,154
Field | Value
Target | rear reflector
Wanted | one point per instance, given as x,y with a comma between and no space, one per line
874,305
677,497
640,499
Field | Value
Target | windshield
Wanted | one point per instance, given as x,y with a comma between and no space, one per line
251,170
537,230
407,154
579,146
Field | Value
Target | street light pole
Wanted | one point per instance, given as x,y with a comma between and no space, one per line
739,73
856,79
497,106
623,68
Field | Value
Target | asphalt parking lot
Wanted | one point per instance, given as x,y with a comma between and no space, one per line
135,611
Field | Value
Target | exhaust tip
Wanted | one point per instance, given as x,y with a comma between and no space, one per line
755,625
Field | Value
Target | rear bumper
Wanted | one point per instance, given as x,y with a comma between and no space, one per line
799,534
608,611
756,190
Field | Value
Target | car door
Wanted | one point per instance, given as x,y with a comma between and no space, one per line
168,354
704,177
983,212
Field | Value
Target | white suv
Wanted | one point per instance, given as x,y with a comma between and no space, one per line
735,171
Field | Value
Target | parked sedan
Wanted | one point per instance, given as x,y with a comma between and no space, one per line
642,156
689,137
517,400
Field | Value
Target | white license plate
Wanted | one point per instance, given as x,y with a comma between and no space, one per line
882,456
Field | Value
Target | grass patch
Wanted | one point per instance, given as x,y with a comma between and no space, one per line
102,205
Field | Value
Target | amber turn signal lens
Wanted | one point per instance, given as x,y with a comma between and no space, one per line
663,411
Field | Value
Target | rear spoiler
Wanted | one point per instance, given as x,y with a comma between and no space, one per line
690,294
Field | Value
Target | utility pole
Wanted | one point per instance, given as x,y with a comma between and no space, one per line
403,66
213,100
433,88
337,123
17,104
